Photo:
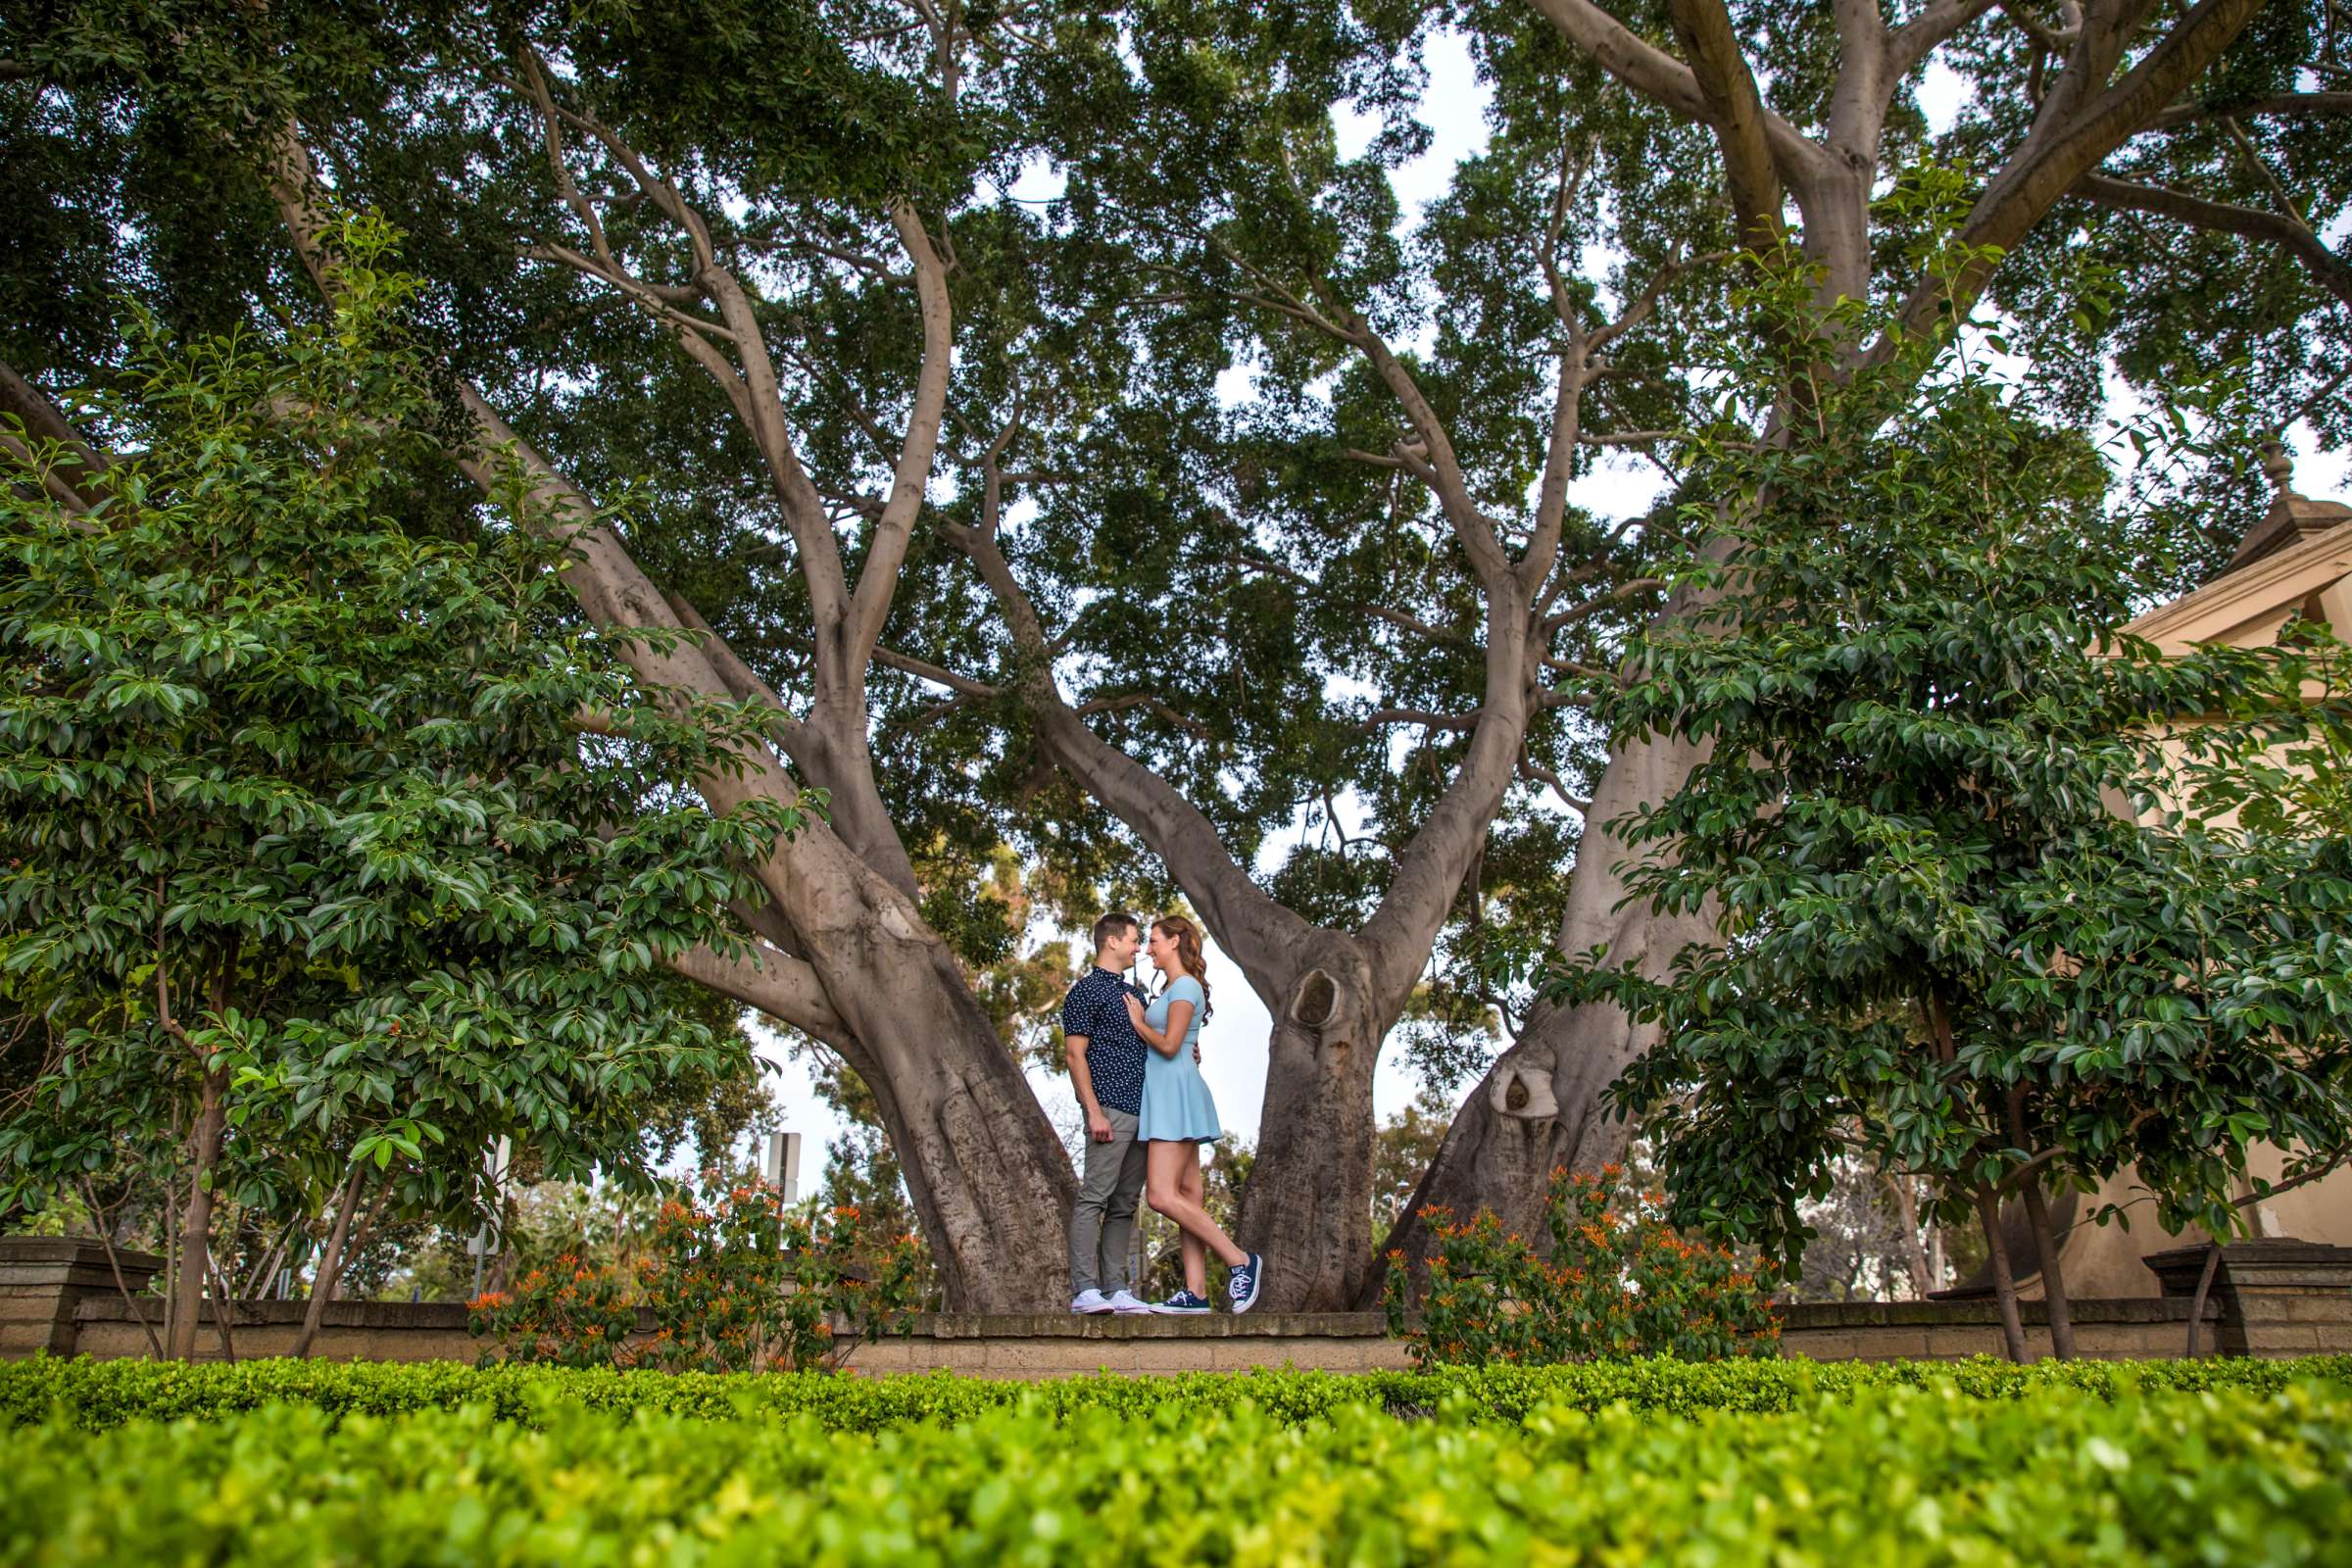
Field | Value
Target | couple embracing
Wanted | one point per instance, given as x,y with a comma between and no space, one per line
1135,1061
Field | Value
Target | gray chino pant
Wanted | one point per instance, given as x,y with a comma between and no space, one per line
1103,1224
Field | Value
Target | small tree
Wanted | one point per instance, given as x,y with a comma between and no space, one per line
1968,903
312,868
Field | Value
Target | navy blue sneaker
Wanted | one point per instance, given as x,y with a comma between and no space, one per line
1240,1285
1183,1304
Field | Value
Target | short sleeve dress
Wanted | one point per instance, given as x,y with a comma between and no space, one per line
1177,1105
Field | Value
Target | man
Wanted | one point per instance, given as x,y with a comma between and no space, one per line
1107,1068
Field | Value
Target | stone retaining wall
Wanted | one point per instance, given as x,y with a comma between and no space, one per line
2139,1328
2270,1299
1051,1344
44,1280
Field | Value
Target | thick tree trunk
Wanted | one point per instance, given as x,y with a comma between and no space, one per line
1540,1106
1308,1204
987,1173
988,1176
193,1254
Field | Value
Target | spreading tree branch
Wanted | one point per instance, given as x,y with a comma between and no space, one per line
2285,103
1732,105
2078,127
2290,233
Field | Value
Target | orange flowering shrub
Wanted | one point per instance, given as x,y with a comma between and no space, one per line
746,1284
751,1285
1619,1282
568,1314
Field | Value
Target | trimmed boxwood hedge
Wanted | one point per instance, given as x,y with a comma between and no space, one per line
104,1394
1903,1467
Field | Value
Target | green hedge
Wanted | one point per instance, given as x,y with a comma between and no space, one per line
1890,1474
105,1394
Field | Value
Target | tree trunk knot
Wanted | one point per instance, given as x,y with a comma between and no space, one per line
1523,1089
1315,1001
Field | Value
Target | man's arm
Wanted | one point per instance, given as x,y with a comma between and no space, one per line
1073,1051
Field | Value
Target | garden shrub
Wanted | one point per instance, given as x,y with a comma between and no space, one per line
569,1313
96,1395
1620,1283
1916,1475
747,1285
753,1285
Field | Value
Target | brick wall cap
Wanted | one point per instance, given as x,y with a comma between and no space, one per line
1823,1315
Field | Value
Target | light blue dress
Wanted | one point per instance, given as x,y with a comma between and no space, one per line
1177,1105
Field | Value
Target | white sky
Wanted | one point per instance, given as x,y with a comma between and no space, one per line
1234,1042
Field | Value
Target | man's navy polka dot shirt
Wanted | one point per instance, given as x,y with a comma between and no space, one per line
1097,1008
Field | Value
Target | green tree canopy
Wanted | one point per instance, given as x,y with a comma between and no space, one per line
957,472
1969,907
332,848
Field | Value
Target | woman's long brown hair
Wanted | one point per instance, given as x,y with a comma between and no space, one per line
1188,953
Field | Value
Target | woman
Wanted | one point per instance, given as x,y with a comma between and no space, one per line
1179,1116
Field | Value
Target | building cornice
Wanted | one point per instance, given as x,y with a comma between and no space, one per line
2280,580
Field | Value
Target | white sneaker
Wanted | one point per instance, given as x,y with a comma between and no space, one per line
1126,1305
1091,1299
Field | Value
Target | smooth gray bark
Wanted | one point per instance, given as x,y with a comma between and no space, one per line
1540,1107
988,1176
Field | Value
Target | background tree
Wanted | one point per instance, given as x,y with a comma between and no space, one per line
307,852
1940,931
1406,1142
1867,1239
1721,124
860,374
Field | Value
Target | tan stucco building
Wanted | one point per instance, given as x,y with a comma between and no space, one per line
2296,563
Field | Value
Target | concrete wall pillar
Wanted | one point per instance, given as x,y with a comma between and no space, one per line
43,1278
2279,1297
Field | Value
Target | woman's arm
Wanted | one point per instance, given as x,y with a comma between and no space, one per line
1167,1043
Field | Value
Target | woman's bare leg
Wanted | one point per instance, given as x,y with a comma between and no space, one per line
1195,1255
1163,1189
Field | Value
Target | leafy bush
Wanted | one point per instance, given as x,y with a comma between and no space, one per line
311,882
95,1395
1897,1474
751,1285
1619,1282
573,1314
748,1285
